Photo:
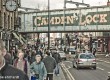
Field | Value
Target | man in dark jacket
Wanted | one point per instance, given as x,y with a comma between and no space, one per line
7,72
108,78
40,52
57,57
50,65
94,51
7,56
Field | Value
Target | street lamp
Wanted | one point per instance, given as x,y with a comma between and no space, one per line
1,30
8,35
64,8
48,24
90,42
4,34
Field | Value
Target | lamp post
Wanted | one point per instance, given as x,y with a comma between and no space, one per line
33,36
16,26
8,35
1,32
48,24
90,42
4,36
64,20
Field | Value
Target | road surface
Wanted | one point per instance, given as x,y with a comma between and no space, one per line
101,73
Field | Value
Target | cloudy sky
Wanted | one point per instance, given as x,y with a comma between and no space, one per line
58,4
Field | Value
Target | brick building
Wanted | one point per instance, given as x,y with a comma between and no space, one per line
8,23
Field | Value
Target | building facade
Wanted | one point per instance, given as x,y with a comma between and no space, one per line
8,23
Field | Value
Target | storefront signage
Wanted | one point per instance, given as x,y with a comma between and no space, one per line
75,19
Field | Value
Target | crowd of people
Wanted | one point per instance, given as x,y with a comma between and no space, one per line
28,63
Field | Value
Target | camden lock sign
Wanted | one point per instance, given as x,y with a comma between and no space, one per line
75,19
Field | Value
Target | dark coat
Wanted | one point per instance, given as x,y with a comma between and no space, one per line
12,73
50,64
8,58
57,57
40,53
94,51
32,58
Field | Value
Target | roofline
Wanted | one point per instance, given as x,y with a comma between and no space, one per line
79,8
65,31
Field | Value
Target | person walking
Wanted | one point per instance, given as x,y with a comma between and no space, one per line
32,56
50,65
38,69
57,57
107,53
8,70
7,56
40,52
94,51
108,78
21,63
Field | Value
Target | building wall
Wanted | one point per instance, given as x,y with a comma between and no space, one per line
8,20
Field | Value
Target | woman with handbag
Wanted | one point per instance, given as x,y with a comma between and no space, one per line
38,69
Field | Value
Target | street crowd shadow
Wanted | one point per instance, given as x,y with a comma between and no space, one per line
86,68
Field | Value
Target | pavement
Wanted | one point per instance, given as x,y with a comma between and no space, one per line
60,77
102,56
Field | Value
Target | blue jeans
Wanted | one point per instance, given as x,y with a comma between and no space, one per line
57,69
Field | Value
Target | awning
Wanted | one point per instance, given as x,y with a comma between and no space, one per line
18,37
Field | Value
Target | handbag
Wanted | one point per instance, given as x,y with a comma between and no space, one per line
35,76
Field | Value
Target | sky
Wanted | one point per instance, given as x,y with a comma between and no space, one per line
58,4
